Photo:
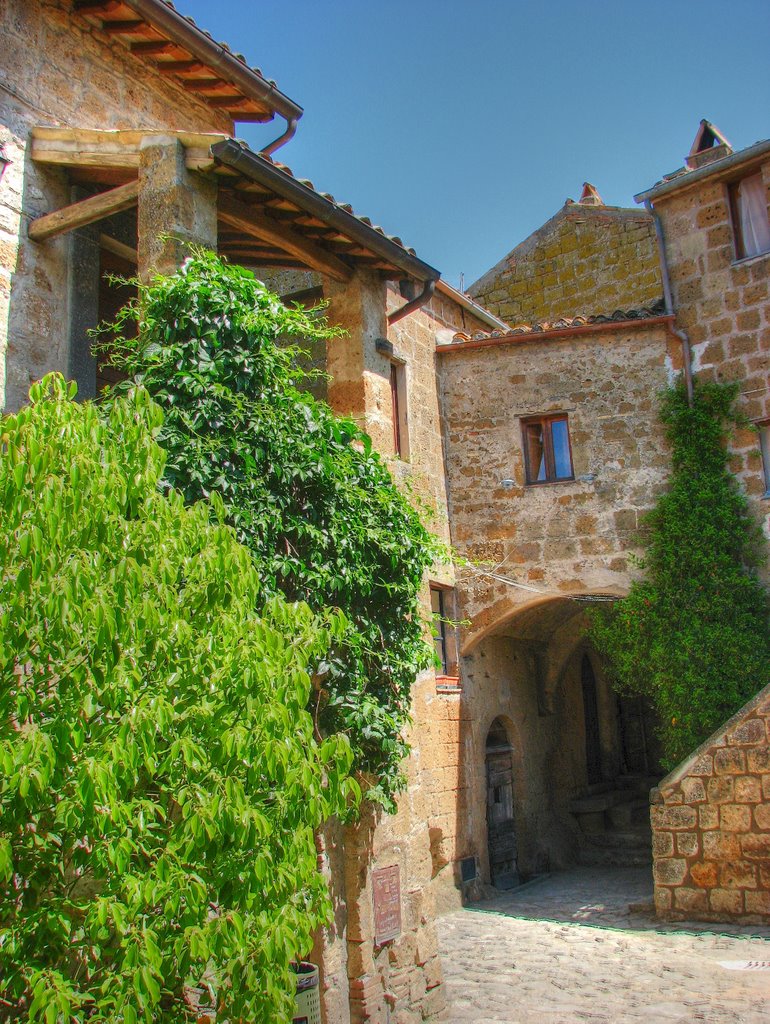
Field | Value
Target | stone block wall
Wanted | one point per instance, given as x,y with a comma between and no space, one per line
711,826
585,259
571,535
724,305
79,78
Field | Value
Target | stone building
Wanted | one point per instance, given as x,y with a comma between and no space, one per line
538,446
712,216
589,258
117,125
553,454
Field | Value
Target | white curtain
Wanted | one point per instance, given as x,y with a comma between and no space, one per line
751,195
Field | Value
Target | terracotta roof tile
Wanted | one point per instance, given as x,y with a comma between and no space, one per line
656,309
345,207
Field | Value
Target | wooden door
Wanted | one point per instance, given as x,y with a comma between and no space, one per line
500,823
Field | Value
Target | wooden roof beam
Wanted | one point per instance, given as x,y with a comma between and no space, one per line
260,225
109,149
153,47
87,211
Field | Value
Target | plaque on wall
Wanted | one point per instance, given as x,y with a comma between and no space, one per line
386,888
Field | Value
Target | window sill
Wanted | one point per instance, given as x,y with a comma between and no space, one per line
448,684
745,261
550,483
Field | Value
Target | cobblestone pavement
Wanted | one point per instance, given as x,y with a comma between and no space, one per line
572,948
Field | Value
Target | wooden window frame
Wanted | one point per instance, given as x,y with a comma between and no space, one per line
445,643
550,465
763,430
739,246
399,407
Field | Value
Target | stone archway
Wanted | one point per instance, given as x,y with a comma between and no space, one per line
535,671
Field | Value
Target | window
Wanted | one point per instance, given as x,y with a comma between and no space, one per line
442,606
748,209
764,444
439,626
398,404
547,451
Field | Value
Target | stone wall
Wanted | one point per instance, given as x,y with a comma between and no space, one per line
534,553
711,826
74,76
401,980
585,259
724,305
574,535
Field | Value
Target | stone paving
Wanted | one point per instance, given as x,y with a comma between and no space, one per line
583,946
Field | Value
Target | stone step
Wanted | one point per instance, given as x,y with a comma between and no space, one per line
626,847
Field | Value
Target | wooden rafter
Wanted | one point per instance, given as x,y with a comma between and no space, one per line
92,148
87,211
260,225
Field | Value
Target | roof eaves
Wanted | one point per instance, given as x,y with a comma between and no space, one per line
201,44
646,315
258,168
684,178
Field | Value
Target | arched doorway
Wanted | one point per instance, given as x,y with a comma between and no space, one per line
501,828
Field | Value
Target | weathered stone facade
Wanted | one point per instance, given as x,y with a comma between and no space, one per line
722,301
536,553
711,825
588,258
77,77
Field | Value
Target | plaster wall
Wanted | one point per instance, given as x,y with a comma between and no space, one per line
58,70
585,259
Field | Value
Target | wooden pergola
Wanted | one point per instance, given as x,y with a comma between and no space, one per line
265,216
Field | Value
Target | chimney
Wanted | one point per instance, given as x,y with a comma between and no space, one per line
709,145
589,196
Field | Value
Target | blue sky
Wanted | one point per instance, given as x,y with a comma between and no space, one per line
463,126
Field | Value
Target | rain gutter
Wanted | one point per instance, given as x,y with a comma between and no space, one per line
218,57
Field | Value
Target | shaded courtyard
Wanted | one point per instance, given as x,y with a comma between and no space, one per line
583,945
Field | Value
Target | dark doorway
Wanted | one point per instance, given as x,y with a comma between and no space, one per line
638,732
501,829
591,719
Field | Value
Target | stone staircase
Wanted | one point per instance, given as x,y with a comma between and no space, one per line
614,823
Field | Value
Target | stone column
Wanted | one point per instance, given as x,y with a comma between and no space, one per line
360,375
177,208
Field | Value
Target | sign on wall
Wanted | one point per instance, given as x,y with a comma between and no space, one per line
386,888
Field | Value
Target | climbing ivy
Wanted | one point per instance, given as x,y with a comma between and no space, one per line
303,488
160,779
692,634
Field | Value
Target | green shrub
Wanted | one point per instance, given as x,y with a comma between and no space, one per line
304,490
693,632
161,778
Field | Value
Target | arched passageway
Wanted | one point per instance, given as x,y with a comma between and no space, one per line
558,762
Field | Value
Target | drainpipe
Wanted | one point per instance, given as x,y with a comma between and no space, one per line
418,303
291,127
668,299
